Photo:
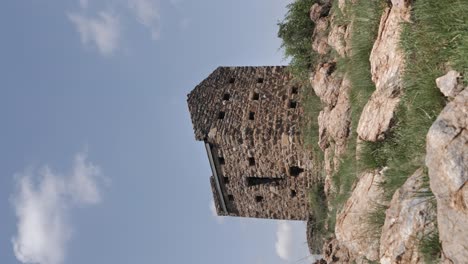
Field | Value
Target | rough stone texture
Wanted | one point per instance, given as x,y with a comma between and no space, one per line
333,90
447,160
450,84
409,217
320,36
335,252
387,61
339,118
258,156
351,226
319,10
336,39
326,84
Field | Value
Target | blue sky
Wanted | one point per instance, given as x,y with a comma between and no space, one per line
98,162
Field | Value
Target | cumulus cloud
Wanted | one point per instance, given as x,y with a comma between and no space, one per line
42,202
103,31
148,14
284,240
218,218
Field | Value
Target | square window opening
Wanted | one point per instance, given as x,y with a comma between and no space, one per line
292,104
226,97
231,197
221,160
259,80
221,115
258,198
251,161
255,96
294,90
232,80
293,193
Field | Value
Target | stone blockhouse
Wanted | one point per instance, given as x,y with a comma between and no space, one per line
248,118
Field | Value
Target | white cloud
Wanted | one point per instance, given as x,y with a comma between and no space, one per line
284,240
148,14
42,203
102,31
218,218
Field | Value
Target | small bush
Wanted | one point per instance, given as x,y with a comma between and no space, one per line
296,33
318,219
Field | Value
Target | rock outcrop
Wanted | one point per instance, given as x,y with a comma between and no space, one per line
332,87
351,228
387,61
410,216
447,160
335,252
450,84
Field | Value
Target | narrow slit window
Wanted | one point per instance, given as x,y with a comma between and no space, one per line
251,116
295,171
254,181
231,197
294,90
221,160
221,115
259,80
226,97
226,180
232,80
252,161
255,96
292,104
258,198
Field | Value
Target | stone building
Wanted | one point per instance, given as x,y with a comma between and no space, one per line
248,118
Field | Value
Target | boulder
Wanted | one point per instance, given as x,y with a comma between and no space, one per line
351,227
410,216
336,38
334,252
326,84
450,84
320,36
447,161
387,61
319,10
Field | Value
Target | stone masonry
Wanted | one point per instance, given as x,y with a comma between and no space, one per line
248,118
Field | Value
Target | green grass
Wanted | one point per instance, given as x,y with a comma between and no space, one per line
312,107
296,33
317,201
437,38
366,16
430,247
375,220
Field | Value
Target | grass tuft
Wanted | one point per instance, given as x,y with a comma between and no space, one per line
318,219
366,17
296,30
430,247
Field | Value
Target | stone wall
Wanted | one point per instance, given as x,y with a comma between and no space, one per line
250,117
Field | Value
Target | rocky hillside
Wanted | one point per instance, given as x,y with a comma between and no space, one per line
392,130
